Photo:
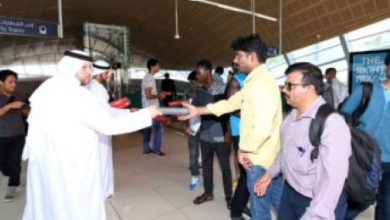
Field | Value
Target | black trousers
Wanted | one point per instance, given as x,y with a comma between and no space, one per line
223,152
241,194
11,149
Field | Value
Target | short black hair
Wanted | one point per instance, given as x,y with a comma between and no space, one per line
206,64
166,75
387,59
219,70
152,62
251,43
311,75
329,70
7,72
192,76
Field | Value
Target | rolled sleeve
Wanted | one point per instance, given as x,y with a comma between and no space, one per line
332,169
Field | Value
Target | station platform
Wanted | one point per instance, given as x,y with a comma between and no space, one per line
150,187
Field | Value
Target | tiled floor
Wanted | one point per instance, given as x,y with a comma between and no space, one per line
149,187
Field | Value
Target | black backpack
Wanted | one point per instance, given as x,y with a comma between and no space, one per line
365,163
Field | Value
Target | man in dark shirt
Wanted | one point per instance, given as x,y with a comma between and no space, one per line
212,134
168,85
12,131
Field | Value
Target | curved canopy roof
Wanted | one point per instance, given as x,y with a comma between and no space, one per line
205,31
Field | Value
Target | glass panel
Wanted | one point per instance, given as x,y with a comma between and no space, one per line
139,73
278,71
17,67
33,69
274,61
378,41
368,30
281,80
324,56
315,47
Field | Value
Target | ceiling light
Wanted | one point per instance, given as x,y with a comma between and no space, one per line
235,9
177,36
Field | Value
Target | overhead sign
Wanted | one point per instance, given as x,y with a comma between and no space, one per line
366,66
23,27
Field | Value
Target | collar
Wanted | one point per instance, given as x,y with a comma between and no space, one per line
311,111
256,72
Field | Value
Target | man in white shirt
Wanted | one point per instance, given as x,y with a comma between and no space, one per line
335,91
150,96
63,177
100,74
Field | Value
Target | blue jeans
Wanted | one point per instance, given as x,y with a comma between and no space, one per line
261,206
157,127
293,205
382,208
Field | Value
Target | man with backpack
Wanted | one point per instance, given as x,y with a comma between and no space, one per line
375,121
314,187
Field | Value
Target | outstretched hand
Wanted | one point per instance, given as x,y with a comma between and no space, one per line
153,111
193,111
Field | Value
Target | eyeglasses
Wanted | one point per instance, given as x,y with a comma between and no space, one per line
289,85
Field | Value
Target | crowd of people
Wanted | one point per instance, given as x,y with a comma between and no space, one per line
70,172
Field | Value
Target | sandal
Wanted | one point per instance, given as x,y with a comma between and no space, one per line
203,198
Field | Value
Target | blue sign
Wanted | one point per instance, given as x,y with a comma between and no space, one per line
366,67
23,27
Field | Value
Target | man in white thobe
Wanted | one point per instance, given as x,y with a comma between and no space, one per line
63,177
100,74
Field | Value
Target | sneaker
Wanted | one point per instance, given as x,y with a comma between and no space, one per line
10,194
194,183
160,153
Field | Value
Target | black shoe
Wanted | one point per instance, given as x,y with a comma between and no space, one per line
148,152
203,198
247,212
228,202
160,153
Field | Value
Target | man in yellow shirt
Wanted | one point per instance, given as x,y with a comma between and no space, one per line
261,116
